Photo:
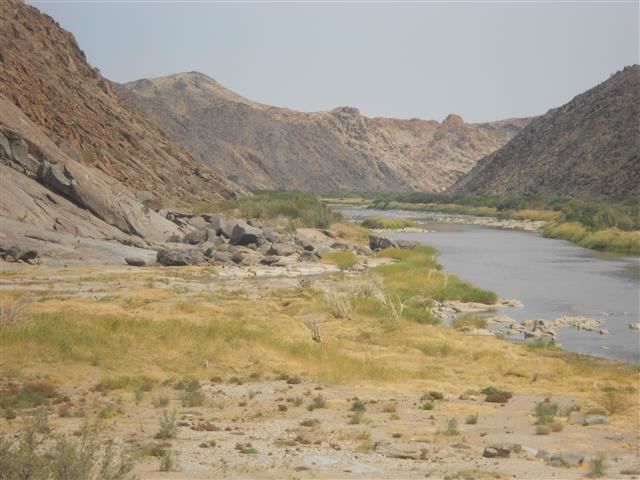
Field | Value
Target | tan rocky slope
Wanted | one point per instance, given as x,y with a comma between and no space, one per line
261,146
589,147
45,74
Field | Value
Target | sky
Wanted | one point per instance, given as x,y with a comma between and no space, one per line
483,61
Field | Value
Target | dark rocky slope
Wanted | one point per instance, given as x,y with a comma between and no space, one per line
589,147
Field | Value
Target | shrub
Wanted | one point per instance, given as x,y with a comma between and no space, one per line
167,461
318,402
471,419
545,412
14,312
358,405
356,418
194,398
543,430
33,457
614,401
427,406
302,209
597,466
339,304
452,427
168,426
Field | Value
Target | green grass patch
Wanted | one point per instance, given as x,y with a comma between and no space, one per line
610,239
303,209
387,223
344,259
417,274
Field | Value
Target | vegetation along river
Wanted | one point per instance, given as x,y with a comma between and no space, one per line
552,278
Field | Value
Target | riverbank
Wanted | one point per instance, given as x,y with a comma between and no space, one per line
552,223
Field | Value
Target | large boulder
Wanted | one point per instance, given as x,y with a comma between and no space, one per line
180,257
199,236
377,242
135,261
244,234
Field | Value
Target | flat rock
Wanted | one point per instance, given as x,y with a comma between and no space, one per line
595,420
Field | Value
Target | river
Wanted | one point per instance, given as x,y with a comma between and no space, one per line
552,278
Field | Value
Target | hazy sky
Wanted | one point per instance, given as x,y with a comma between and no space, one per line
484,61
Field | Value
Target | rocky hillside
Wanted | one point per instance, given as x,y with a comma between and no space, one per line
46,75
261,146
589,147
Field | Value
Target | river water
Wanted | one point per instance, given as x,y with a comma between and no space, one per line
552,278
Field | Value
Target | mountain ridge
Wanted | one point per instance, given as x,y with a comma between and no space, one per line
263,146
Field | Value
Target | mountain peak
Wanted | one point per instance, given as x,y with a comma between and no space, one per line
453,120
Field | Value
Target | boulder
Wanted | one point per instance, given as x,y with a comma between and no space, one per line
403,451
17,254
377,242
406,244
199,236
282,249
566,459
595,420
269,260
244,234
501,450
179,257
135,261
198,222
305,244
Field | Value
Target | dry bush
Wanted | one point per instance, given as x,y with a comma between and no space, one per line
395,308
14,312
339,303
368,286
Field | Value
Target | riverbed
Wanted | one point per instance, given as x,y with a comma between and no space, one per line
552,278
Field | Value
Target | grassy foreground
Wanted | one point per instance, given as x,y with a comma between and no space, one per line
147,339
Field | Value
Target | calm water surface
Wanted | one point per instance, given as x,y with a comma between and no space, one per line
553,278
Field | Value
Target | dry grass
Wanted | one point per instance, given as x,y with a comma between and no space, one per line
231,335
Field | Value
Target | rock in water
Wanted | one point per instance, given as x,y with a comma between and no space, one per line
377,242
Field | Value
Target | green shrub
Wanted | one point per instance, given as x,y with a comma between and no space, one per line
168,426
303,209
545,412
472,419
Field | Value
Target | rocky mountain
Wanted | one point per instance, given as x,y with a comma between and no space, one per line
261,146
81,171
46,75
589,147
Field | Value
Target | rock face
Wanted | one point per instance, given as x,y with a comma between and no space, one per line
589,147
45,75
261,146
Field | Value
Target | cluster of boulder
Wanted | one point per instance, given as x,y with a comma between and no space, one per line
16,254
212,238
